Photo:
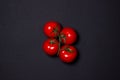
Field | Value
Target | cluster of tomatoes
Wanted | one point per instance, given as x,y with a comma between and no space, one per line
60,41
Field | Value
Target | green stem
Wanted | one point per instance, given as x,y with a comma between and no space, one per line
59,45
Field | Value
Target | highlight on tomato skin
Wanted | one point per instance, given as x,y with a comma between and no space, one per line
50,47
68,54
52,29
68,35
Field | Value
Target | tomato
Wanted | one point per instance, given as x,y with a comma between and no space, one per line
52,29
68,53
50,46
68,35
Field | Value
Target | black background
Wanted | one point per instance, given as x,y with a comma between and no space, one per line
21,38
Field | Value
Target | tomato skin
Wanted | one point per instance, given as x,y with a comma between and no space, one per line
50,46
67,56
68,35
52,29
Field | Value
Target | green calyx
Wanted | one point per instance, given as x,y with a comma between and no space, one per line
52,42
68,49
62,36
55,30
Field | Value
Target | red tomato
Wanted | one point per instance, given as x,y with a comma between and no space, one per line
68,35
68,53
52,29
50,46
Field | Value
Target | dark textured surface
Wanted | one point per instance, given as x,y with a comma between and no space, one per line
21,38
